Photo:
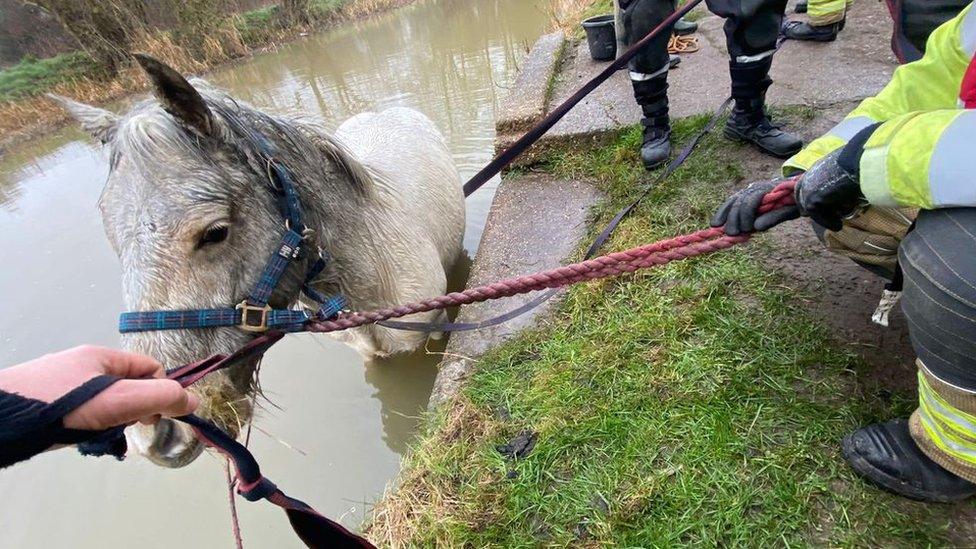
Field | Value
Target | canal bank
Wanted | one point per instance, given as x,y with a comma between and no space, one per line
698,404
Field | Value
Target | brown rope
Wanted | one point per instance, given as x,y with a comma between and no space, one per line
651,255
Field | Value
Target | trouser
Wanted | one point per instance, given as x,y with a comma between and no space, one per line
827,12
751,30
938,262
915,20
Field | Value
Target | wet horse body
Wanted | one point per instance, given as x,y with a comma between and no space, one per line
187,210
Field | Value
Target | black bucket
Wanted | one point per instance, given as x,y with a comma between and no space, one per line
601,35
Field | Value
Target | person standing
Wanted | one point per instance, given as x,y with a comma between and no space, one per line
751,30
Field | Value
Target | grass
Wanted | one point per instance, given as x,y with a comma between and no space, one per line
695,404
34,76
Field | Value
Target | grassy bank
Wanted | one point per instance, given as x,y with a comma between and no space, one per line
24,111
695,404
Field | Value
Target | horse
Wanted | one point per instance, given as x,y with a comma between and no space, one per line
187,209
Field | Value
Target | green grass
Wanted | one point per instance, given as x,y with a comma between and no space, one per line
695,404
262,25
35,76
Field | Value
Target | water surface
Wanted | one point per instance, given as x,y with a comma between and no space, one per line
337,428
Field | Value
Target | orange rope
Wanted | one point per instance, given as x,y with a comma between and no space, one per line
683,44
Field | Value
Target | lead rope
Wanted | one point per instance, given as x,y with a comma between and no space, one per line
659,253
650,255
318,531
235,521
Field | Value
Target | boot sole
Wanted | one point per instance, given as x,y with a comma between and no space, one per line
650,167
823,39
739,138
891,484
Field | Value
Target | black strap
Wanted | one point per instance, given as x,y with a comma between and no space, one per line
314,529
78,396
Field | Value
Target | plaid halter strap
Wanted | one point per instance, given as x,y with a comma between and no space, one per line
253,314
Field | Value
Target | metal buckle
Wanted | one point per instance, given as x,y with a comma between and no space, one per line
253,318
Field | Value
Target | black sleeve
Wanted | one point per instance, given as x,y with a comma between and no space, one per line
29,426
23,430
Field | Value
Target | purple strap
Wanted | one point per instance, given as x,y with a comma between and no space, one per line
314,529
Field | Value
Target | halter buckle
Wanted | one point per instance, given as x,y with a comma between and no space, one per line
253,318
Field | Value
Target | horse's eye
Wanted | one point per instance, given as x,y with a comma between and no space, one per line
213,235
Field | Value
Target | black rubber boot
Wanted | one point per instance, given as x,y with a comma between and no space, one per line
886,455
683,27
799,30
652,96
656,147
749,121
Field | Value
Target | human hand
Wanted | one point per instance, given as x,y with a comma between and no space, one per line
739,213
142,395
829,192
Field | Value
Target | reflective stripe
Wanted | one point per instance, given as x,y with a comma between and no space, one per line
874,177
967,31
643,77
753,58
962,422
849,127
953,163
946,443
817,149
825,12
951,429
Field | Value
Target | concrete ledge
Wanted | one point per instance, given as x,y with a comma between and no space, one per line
527,103
535,223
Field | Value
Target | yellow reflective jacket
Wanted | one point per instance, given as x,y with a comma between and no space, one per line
924,153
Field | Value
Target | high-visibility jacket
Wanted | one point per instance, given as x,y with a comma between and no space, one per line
825,12
924,153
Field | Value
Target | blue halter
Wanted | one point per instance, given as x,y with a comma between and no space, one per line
254,314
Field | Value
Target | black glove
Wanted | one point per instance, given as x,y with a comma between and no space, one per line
738,214
828,192
831,189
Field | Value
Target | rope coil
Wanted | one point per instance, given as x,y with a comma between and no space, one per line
683,44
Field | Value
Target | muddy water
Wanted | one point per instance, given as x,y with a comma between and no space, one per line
337,428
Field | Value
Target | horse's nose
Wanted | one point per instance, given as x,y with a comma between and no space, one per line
167,443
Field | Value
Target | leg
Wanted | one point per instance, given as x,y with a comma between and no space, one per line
649,72
932,456
751,30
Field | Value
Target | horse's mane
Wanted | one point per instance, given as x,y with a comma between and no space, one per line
148,128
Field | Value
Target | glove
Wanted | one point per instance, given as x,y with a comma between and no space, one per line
738,214
831,189
829,192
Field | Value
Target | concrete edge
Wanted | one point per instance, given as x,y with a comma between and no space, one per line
527,102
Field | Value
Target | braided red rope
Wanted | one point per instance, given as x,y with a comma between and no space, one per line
658,253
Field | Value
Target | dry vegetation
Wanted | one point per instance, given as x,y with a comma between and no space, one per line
566,15
194,41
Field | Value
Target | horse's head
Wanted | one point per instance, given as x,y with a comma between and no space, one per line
187,210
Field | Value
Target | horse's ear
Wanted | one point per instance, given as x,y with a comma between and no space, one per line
100,123
176,95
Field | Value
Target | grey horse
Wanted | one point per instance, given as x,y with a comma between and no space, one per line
187,209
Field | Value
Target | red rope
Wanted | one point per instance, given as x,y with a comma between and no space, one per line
658,253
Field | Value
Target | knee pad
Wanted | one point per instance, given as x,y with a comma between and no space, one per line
938,259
